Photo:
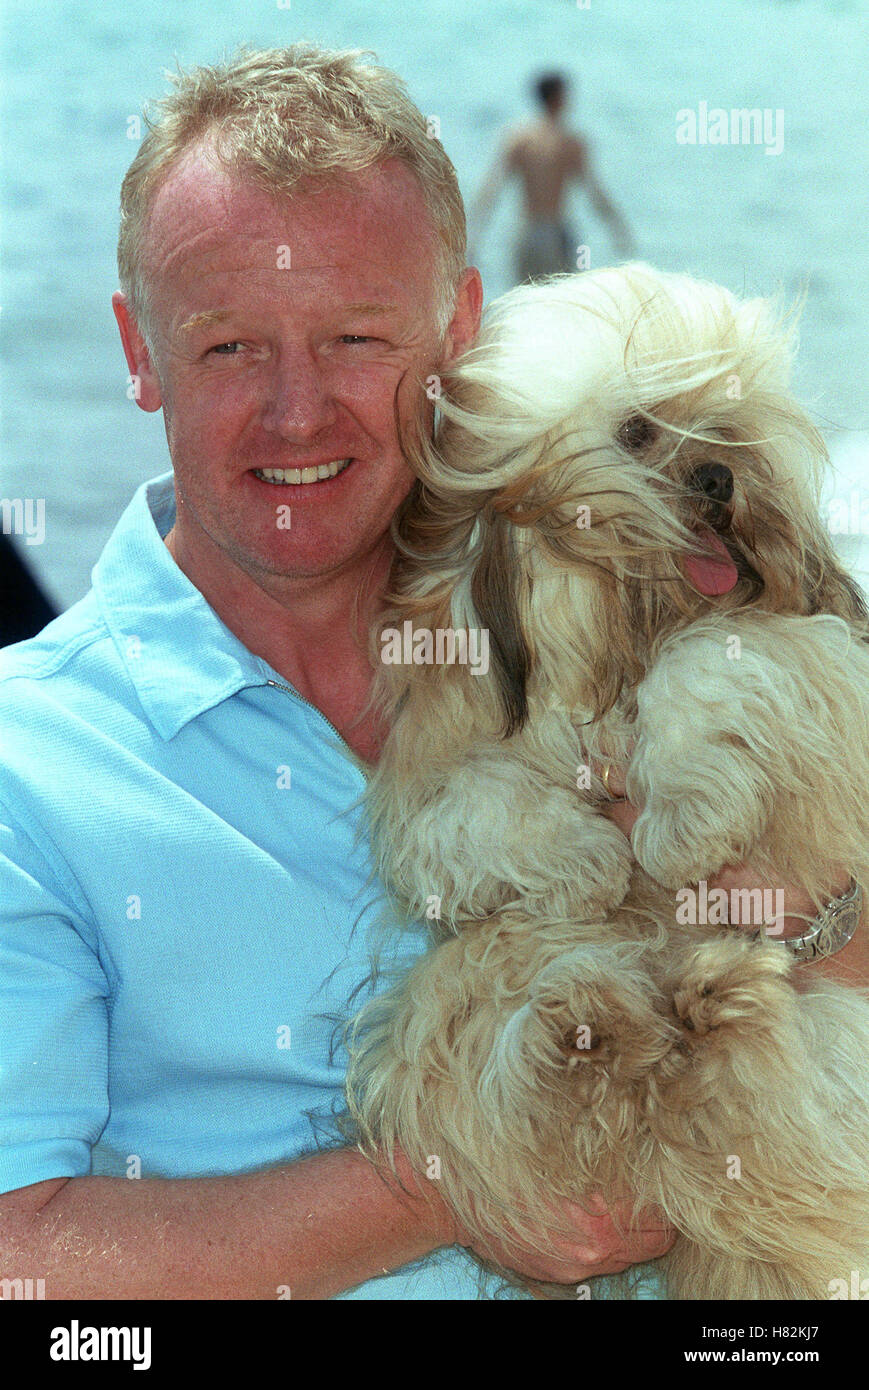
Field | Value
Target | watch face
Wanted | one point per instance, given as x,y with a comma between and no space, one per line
840,921
826,939
837,931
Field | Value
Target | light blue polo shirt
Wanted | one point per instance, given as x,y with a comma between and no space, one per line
185,896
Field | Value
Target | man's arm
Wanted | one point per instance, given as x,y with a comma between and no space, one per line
315,1227
500,172
600,200
318,1226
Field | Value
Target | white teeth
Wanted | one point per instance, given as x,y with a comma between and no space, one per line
303,475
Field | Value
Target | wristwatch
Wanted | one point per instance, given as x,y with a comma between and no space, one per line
832,929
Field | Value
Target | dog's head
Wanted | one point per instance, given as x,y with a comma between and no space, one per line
617,453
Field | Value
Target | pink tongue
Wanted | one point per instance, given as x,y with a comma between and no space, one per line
713,574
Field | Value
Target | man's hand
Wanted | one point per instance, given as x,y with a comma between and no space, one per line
596,1245
586,1239
850,966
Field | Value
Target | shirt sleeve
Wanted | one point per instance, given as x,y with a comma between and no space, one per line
53,1021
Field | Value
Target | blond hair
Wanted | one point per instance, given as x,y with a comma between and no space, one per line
279,116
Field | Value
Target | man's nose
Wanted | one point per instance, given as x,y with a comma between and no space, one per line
299,403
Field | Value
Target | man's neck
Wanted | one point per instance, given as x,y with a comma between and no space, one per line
312,631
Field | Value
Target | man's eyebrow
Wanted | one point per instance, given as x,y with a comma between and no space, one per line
368,308
209,317
204,320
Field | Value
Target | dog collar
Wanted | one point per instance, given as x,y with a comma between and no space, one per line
832,929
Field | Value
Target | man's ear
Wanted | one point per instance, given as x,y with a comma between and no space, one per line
465,323
146,386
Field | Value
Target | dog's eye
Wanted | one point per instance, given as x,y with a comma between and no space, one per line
636,433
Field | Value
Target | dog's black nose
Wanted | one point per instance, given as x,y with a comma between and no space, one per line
715,479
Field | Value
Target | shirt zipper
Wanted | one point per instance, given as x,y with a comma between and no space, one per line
357,761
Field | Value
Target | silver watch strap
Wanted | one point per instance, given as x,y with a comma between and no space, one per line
832,929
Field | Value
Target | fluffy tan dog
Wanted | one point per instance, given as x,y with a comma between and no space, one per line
622,506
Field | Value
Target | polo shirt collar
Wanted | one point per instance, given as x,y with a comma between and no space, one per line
180,657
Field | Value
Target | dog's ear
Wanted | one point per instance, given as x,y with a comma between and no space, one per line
495,592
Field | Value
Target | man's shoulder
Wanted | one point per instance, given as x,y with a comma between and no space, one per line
537,140
518,138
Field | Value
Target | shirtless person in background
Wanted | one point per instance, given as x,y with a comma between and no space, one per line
545,155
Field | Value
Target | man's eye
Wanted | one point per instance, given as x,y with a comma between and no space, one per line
227,349
355,338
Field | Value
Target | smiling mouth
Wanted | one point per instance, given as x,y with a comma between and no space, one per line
294,477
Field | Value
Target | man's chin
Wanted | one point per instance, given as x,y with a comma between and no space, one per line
318,559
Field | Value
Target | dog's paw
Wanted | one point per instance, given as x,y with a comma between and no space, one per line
493,836
592,1010
704,793
683,839
729,983
700,1006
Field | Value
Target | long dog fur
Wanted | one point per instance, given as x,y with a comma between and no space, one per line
562,507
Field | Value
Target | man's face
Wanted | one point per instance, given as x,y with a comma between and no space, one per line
288,336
